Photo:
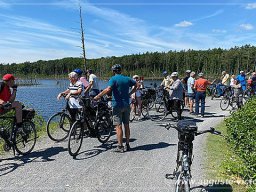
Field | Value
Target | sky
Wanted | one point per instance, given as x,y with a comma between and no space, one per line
32,30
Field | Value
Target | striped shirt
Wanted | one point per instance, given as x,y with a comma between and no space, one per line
74,87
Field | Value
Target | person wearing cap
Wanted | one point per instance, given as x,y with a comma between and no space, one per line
200,87
191,92
120,85
242,79
7,95
82,79
224,82
93,87
136,97
167,81
185,81
176,94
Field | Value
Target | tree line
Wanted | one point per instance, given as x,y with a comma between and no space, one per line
150,64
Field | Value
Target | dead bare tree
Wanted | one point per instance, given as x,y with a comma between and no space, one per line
82,37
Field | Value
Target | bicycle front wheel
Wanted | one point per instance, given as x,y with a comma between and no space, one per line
58,126
158,113
25,137
75,138
224,103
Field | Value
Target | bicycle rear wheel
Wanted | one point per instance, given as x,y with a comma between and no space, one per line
104,129
58,126
158,113
75,138
25,137
224,103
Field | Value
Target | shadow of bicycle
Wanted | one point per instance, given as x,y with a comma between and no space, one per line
215,187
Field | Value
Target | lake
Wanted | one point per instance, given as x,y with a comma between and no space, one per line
43,97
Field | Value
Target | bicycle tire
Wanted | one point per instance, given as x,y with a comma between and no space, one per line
25,137
186,185
224,103
144,111
75,138
158,113
213,93
179,184
58,126
104,129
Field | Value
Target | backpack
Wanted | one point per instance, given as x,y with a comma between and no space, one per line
1,86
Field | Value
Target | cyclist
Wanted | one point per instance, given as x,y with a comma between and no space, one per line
238,93
176,94
224,82
242,79
8,92
119,85
191,91
200,87
185,81
136,97
72,94
167,81
84,81
93,87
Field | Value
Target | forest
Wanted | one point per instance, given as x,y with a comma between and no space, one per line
150,64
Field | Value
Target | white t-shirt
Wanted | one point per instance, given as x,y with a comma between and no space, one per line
95,81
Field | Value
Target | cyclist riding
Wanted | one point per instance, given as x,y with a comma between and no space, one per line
8,96
224,82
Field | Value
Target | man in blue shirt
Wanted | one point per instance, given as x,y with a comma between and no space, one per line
242,79
120,85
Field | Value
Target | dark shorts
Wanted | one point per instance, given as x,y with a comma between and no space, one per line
191,96
121,115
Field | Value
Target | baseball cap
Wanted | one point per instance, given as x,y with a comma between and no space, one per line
200,74
174,74
8,77
241,71
188,71
135,76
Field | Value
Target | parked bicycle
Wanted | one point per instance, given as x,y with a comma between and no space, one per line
164,107
94,121
187,130
59,124
20,139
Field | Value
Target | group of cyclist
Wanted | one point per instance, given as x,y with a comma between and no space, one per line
125,89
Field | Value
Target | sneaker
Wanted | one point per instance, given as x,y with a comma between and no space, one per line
127,147
199,115
119,149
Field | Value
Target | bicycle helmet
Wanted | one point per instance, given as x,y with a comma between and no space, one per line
90,71
116,67
78,71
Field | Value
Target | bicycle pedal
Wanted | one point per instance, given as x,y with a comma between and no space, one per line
169,176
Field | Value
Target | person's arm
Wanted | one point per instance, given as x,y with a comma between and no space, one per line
62,93
88,87
175,85
135,87
13,96
102,93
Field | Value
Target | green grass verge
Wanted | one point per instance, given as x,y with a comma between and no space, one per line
221,160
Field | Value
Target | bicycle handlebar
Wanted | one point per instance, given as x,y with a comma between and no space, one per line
211,130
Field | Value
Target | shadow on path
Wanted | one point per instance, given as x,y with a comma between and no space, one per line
149,147
216,187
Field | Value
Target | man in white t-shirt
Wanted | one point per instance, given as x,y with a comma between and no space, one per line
93,86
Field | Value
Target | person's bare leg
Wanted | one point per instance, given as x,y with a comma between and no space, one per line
18,111
119,134
127,133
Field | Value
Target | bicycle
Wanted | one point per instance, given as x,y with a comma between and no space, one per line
94,121
59,124
164,106
232,101
187,130
20,139
147,98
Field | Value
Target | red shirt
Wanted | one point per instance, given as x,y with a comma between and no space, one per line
5,94
201,84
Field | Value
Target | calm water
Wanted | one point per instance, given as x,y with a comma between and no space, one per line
43,97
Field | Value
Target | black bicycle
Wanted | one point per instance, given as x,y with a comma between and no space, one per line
187,130
95,120
20,139
164,107
59,124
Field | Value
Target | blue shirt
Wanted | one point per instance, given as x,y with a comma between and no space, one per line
120,86
242,80
191,81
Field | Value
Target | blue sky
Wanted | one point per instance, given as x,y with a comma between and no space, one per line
32,30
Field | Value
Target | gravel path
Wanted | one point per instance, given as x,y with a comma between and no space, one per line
97,168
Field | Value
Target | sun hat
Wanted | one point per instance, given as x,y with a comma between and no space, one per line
174,74
8,77
135,76
188,71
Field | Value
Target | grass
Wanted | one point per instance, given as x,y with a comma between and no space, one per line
220,158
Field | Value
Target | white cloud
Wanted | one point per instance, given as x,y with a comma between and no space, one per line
219,31
247,26
184,24
251,6
4,4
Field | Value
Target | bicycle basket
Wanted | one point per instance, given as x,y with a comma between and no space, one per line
28,113
187,126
